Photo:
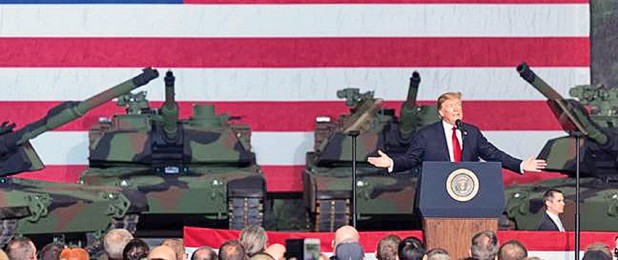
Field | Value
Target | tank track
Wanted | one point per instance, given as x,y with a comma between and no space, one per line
9,226
243,212
331,214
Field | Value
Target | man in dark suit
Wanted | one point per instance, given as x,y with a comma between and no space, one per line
444,141
554,205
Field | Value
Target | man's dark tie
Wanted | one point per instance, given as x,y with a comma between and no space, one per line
456,147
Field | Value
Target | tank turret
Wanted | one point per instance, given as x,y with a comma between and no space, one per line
598,159
16,153
47,209
200,168
327,175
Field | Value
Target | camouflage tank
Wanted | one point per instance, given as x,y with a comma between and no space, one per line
31,207
327,177
198,169
598,159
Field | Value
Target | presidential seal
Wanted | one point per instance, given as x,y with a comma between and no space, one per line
462,185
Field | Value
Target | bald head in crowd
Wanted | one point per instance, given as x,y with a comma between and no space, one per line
346,234
162,253
204,253
21,248
114,242
178,247
512,250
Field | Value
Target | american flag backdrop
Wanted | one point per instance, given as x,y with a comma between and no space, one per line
279,63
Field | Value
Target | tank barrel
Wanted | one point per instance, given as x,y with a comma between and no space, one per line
169,109
415,81
528,75
69,111
407,113
578,117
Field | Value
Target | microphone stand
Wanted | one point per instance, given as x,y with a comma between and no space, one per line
577,135
354,134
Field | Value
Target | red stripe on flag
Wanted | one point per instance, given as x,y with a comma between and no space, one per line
294,52
300,116
286,178
386,1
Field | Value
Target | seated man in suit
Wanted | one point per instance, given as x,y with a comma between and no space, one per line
554,205
445,141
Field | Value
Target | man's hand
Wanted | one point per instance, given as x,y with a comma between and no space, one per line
533,165
382,162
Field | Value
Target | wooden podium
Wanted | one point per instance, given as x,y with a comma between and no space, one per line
457,200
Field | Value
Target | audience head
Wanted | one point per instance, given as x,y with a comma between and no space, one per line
387,247
162,253
177,245
598,251
411,248
261,256
75,253
253,238
554,201
512,250
136,249
204,253
345,234
437,254
232,250
51,251
114,242
484,245
276,250
3,255
21,248
349,251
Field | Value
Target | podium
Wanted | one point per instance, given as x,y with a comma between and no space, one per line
457,200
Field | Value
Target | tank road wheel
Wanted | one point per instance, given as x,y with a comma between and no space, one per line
128,222
331,214
244,212
8,231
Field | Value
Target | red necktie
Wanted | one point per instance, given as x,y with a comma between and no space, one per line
456,147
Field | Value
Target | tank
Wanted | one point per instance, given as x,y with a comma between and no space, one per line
327,178
593,118
194,171
39,208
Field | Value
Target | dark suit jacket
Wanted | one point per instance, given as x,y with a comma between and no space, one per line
546,224
429,144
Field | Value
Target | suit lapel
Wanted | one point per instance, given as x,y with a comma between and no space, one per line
442,141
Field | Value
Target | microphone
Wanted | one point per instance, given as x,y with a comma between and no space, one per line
459,125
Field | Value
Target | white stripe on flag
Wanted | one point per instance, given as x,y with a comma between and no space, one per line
296,84
300,20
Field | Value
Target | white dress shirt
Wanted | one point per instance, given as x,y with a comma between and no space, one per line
556,219
448,133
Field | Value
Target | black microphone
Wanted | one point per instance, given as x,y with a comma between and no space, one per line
460,126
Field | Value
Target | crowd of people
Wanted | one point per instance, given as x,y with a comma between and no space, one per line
252,244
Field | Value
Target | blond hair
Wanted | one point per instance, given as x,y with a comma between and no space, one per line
446,96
